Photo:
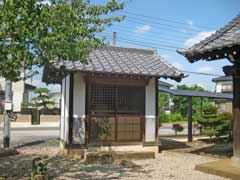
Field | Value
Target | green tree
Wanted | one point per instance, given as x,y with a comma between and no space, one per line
36,33
42,99
181,103
216,125
33,33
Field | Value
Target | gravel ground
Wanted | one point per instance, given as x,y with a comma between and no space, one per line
166,166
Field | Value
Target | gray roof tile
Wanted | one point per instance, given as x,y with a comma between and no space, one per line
121,60
225,38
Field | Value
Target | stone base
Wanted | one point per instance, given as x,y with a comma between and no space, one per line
111,157
225,168
80,152
72,152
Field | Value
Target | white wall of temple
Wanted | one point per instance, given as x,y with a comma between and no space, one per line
150,111
79,93
65,109
62,121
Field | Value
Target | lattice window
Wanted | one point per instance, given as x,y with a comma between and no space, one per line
116,99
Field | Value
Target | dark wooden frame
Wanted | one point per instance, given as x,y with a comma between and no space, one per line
133,81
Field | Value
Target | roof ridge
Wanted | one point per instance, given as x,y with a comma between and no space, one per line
128,48
219,32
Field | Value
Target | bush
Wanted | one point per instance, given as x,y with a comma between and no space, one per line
177,128
164,118
216,125
209,109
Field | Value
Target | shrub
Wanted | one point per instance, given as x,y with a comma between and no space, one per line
216,125
171,118
177,128
209,109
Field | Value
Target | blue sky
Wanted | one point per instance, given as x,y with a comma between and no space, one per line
173,24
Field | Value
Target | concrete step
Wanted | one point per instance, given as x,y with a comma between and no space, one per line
113,156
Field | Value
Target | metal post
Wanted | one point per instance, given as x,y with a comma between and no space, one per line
8,109
189,119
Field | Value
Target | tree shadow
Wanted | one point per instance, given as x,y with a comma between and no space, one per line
33,143
63,168
15,167
217,147
170,144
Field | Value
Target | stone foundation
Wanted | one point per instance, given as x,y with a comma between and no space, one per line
81,152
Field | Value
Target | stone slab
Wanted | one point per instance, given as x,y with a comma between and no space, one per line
224,168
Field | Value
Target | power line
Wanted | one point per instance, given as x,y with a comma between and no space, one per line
154,31
146,40
199,73
165,26
150,43
130,33
168,20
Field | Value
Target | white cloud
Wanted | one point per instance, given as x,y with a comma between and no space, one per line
206,69
143,29
197,38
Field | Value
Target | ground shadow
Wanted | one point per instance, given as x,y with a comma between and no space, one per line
33,143
170,144
64,168
220,147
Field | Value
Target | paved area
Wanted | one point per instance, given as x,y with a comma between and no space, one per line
24,133
166,130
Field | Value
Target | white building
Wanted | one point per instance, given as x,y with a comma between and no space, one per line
224,84
22,92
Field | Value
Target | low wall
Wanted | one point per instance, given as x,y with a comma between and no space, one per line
27,118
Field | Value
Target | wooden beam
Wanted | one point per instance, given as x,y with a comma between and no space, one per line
190,119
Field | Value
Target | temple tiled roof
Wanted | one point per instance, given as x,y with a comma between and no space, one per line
120,60
218,45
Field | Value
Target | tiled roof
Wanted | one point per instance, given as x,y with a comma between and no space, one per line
216,46
222,78
121,60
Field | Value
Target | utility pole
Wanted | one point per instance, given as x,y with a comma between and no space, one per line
8,110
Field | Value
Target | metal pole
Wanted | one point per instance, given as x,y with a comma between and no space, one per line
189,119
8,109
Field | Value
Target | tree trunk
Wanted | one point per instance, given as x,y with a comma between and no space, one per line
8,109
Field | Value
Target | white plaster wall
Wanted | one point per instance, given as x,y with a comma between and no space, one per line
79,96
66,109
79,90
150,111
18,91
218,87
62,128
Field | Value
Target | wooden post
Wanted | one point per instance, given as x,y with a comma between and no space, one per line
201,107
190,119
236,116
70,111
235,72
